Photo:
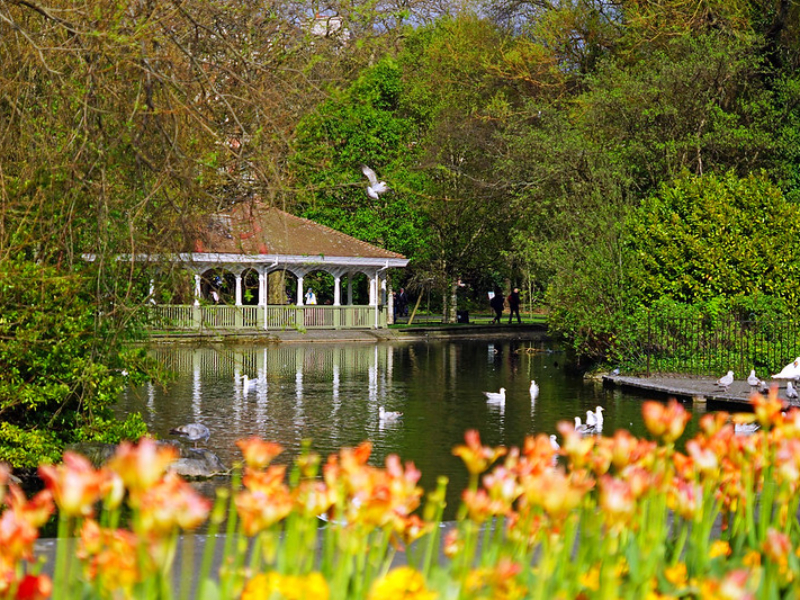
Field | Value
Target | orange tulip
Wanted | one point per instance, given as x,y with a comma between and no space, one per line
767,408
617,501
169,504
258,453
110,556
141,465
76,486
666,422
477,458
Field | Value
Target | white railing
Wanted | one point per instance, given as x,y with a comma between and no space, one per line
253,318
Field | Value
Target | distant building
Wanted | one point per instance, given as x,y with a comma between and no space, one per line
330,27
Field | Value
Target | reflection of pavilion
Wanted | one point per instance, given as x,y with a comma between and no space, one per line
279,372
252,268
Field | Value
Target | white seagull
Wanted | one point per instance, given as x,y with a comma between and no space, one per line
554,442
595,419
745,428
375,188
791,393
582,429
388,416
726,380
497,397
534,390
194,432
754,381
790,371
248,385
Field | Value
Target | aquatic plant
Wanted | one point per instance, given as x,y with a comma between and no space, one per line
601,517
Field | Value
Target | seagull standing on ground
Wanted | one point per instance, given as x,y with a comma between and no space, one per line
790,371
726,380
496,397
375,187
753,380
194,432
791,393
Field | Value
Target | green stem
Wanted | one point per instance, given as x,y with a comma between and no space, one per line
217,516
60,583
435,535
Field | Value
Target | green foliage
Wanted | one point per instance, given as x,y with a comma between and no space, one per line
711,236
708,248
60,362
358,126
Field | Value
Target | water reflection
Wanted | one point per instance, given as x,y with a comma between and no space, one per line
331,394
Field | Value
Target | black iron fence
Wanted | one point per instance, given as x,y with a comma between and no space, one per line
712,346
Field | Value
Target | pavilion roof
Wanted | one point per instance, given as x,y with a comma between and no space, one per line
254,228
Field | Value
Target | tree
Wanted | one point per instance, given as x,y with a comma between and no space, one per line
715,236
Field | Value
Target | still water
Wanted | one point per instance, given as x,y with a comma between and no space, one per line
331,394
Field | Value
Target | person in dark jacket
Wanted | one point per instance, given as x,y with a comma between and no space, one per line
513,306
497,303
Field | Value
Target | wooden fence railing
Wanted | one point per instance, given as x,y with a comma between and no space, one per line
224,317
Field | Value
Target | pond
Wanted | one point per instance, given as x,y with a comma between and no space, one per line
331,394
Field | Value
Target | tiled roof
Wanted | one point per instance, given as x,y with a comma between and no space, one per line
254,228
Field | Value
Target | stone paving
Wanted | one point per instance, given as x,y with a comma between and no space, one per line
692,387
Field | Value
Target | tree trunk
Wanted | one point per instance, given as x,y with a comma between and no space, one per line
276,287
451,307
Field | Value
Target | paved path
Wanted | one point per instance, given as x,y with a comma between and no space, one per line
526,331
690,387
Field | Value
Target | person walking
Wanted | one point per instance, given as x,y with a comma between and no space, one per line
513,306
498,304
402,303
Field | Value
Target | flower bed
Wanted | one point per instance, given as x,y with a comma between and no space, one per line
613,517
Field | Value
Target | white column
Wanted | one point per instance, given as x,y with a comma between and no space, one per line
197,289
337,290
151,294
373,291
262,288
299,291
238,289
383,297
350,290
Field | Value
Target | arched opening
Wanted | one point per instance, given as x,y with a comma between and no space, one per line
218,286
250,287
321,284
281,287
360,285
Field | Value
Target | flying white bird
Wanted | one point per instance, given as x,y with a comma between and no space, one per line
753,380
790,371
534,390
726,380
388,416
791,393
375,188
498,397
194,432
